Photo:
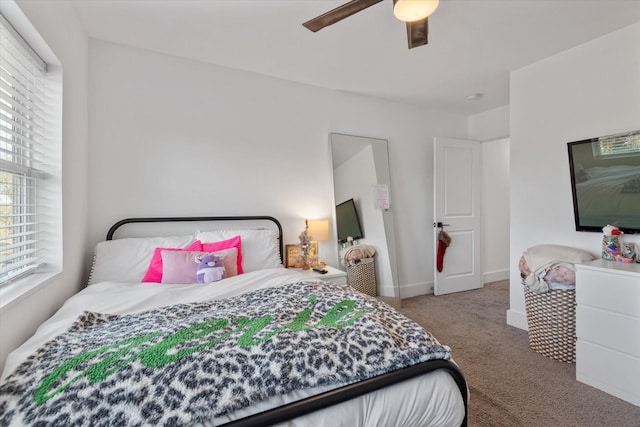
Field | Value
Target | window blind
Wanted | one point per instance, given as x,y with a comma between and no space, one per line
621,145
23,154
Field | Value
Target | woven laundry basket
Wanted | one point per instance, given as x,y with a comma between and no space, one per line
362,276
551,318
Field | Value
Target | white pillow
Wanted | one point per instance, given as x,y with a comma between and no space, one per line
260,247
127,260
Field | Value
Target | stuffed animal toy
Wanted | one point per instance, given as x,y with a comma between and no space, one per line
210,268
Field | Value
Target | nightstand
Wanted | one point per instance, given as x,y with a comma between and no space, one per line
333,275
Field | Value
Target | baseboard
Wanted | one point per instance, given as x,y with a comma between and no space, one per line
415,290
517,319
495,276
387,291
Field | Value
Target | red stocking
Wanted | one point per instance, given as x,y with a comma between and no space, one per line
442,248
443,242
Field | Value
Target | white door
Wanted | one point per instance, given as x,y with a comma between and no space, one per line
456,204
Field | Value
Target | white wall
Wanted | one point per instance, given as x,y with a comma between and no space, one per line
588,91
176,137
495,210
57,24
489,125
492,129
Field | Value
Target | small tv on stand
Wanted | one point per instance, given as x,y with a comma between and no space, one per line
347,221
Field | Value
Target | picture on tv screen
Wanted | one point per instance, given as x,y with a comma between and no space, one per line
347,221
605,182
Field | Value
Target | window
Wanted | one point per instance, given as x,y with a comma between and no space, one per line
620,145
24,155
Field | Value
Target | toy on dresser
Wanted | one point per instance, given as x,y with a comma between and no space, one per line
612,247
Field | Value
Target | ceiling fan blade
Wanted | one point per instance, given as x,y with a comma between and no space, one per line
338,14
418,33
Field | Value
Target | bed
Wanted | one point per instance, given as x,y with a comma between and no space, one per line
262,346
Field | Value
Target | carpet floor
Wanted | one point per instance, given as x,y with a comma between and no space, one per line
510,384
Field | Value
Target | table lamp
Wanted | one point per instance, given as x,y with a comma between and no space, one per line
315,231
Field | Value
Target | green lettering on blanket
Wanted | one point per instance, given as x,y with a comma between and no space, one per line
163,352
158,354
342,309
339,311
95,372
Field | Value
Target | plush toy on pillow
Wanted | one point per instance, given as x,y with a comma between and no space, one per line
210,268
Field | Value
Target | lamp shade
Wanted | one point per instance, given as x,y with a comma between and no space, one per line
414,10
318,229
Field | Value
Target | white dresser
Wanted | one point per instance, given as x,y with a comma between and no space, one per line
608,327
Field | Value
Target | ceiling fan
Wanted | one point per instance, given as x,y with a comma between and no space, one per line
414,12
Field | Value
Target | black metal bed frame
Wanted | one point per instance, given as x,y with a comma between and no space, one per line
331,397
120,223
351,391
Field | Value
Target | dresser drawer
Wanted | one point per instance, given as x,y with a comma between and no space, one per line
615,292
617,331
608,370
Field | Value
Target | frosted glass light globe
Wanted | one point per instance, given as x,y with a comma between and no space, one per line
414,10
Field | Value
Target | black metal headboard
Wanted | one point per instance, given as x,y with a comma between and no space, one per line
118,224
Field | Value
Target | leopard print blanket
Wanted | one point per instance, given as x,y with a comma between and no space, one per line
186,363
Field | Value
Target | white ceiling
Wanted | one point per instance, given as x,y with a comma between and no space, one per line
473,44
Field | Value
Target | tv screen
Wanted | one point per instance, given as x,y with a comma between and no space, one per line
605,182
347,221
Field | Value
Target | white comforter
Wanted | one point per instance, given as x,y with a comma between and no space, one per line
432,399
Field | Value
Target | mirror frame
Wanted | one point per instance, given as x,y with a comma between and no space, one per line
383,176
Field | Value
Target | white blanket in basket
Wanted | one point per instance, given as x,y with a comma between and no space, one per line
543,259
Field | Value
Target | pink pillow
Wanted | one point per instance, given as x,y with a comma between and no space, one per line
233,242
154,272
182,267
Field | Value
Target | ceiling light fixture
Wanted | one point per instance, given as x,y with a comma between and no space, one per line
414,10
474,96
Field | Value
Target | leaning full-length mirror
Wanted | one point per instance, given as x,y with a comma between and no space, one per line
361,174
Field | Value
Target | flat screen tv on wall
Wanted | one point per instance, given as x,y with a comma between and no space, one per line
605,182
347,221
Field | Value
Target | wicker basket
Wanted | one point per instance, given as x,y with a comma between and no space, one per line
551,318
362,277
